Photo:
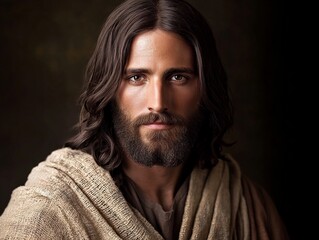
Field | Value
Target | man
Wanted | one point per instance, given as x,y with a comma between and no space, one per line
147,160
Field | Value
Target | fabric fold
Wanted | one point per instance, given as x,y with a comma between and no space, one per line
69,196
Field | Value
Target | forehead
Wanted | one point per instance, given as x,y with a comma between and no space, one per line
160,48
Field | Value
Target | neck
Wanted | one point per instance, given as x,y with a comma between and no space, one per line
158,184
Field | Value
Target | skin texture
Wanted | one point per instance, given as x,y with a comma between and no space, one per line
159,77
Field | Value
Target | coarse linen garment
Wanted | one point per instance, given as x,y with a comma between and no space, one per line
166,221
69,196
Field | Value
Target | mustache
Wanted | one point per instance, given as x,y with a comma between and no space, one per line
165,118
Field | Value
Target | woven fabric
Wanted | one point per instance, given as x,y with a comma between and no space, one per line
69,196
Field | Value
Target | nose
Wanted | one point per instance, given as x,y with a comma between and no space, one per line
157,96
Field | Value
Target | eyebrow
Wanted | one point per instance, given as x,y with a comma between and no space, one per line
167,72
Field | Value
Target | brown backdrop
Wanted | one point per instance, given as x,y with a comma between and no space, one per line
45,45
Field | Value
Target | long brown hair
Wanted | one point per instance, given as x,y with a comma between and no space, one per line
107,64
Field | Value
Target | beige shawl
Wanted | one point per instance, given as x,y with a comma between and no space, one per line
69,196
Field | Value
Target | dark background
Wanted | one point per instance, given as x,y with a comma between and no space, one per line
45,46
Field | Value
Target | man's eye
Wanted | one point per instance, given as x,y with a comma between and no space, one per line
135,79
179,78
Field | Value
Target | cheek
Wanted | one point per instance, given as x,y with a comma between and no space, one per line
187,100
130,100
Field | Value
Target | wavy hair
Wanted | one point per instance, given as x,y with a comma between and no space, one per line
95,134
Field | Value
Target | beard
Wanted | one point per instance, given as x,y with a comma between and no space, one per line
167,147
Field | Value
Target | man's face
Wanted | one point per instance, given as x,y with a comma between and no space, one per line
156,117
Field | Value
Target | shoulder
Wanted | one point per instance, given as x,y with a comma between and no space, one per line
62,167
67,156
64,173
38,209
30,214
254,194
261,210
246,205
58,171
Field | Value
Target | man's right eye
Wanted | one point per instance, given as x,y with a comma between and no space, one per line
135,79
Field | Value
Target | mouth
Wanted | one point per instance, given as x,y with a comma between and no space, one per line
158,125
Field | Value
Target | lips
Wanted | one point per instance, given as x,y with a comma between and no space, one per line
158,125
158,122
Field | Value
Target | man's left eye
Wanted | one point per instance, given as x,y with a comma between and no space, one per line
179,79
